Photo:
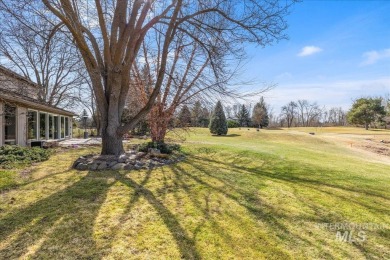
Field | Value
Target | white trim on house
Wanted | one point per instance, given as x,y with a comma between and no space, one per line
22,126
50,133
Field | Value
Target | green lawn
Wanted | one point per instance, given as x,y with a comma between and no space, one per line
249,195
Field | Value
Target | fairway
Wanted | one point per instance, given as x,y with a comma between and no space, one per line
268,194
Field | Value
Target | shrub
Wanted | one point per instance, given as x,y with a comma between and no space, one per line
232,124
12,155
163,147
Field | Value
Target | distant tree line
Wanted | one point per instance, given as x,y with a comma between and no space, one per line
367,112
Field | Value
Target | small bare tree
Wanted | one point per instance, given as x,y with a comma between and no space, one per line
289,113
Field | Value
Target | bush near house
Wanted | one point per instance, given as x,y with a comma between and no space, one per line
15,156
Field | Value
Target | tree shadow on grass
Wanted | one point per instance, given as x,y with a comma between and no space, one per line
62,224
229,135
55,223
246,197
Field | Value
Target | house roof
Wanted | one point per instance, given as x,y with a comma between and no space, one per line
12,97
18,76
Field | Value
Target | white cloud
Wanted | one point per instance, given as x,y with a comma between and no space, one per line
309,50
372,57
339,93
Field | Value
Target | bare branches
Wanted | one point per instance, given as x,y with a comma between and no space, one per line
110,34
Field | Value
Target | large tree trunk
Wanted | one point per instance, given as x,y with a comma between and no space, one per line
111,141
111,144
366,126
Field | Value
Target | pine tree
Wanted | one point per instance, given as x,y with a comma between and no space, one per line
243,116
218,124
204,120
196,113
260,114
184,117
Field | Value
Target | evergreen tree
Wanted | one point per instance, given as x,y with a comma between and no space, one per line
218,124
184,119
260,114
196,113
204,120
243,116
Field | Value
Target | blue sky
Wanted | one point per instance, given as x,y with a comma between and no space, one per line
337,51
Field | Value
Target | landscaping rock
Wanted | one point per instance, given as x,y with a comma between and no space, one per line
128,167
122,158
140,154
102,166
133,157
82,167
131,160
153,151
118,166
93,166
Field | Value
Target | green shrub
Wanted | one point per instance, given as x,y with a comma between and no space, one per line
232,124
12,155
163,147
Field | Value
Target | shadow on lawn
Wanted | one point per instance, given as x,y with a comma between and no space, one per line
229,135
46,223
295,177
61,225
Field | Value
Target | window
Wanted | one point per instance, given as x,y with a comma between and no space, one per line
10,124
51,127
56,135
62,127
66,126
42,125
32,121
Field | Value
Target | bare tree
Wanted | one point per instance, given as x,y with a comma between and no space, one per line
335,116
190,74
289,113
53,64
109,35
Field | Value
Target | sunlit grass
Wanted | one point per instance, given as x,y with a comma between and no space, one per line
250,195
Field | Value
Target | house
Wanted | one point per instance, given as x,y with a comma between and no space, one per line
24,120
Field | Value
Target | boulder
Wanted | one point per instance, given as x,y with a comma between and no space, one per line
118,166
133,157
122,158
82,167
102,166
140,154
112,164
128,167
93,166
154,152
